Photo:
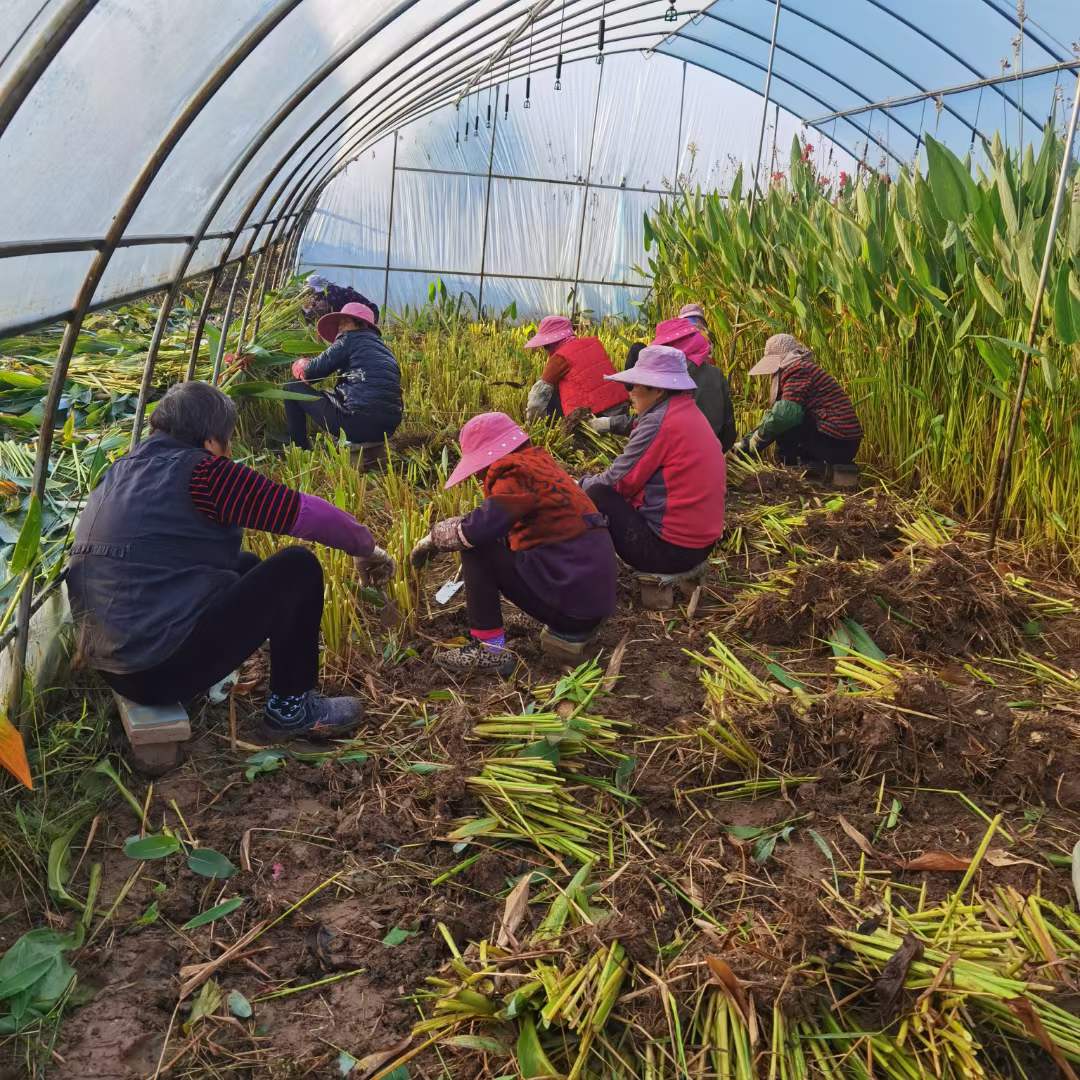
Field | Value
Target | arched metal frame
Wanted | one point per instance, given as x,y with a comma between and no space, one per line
297,204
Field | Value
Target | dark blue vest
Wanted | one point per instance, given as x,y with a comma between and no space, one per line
146,564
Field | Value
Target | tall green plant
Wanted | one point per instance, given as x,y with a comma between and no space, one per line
915,292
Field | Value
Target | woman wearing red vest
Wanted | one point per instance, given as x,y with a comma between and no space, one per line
574,376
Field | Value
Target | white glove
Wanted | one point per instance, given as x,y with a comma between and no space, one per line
377,568
600,424
539,400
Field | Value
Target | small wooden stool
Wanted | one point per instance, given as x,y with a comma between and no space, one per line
658,590
155,733
560,648
845,476
368,455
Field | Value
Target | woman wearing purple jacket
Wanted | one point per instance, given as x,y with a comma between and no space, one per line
169,603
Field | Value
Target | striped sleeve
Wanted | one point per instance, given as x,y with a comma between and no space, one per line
232,494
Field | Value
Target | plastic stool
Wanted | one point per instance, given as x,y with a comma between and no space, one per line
367,455
658,590
154,732
564,649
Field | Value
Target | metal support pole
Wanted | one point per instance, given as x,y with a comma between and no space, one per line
268,284
487,208
390,225
226,317
765,106
200,326
151,358
678,141
253,288
1036,309
585,195
757,166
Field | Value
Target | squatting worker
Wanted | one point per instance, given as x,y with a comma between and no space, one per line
536,539
573,377
365,402
322,296
664,494
712,394
168,602
810,416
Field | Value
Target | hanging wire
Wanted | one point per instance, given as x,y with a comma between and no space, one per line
528,74
558,63
506,101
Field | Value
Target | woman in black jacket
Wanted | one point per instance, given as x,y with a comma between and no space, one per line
365,403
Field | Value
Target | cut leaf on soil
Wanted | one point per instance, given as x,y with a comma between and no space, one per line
219,911
210,863
155,846
397,936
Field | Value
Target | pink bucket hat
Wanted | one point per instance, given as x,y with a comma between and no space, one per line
659,366
778,354
485,439
328,324
552,330
692,311
683,335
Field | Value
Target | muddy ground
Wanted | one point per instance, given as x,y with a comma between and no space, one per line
370,835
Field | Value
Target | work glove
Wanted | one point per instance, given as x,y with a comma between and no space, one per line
299,368
539,400
600,424
423,553
445,535
741,447
377,568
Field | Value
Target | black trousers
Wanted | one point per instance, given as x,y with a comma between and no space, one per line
805,445
325,415
280,598
490,572
636,543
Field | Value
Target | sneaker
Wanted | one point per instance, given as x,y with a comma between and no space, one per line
476,656
317,718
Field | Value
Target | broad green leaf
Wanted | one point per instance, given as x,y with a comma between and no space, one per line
531,1059
21,379
219,911
397,936
989,291
1066,308
28,545
154,846
955,194
210,863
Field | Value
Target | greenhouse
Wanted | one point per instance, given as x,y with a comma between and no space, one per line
539,538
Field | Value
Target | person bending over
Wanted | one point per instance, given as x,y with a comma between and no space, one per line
810,416
365,403
169,604
321,296
573,377
663,495
536,539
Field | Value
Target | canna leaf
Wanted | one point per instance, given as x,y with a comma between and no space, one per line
154,846
955,194
1066,309
219,911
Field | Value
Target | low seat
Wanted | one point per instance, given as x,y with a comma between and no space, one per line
154,733
367,455
567,650
658,590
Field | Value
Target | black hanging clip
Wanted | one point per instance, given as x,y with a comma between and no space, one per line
558,73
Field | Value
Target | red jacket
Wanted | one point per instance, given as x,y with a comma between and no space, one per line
577,367
673,471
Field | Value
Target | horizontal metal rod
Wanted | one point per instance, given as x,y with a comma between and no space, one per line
532,179
960,88
101,305
474,273
11,249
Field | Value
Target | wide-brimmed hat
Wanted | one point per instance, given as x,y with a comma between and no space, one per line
659,366
672,330
552,330
485,439
780,351
692,311
328,324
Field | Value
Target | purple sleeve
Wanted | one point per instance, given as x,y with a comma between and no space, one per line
324,523
487,522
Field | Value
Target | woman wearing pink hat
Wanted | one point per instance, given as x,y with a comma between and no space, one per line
664,494
810,416
365,403
536,539
574,375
